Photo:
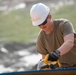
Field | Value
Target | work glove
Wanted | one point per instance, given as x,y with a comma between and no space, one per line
54,56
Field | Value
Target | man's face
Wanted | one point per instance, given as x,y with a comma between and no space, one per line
46,25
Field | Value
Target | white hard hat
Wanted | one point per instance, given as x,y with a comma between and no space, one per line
39,13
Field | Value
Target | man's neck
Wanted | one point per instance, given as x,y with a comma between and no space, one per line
50,30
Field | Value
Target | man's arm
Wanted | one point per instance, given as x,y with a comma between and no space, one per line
64,48
43,56
67,45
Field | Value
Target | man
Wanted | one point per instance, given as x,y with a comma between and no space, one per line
56,38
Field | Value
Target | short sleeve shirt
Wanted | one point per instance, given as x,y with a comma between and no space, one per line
49,42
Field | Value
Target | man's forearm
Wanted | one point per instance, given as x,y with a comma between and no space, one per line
65,47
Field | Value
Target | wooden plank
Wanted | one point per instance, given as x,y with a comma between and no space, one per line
62,71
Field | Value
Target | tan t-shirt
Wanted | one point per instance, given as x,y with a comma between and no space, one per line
49,42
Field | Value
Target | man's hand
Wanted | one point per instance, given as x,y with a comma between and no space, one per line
54,56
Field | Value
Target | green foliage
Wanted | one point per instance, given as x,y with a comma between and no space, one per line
16,25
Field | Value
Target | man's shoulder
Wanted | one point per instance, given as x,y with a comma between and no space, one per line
40,34
60,20
40,37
